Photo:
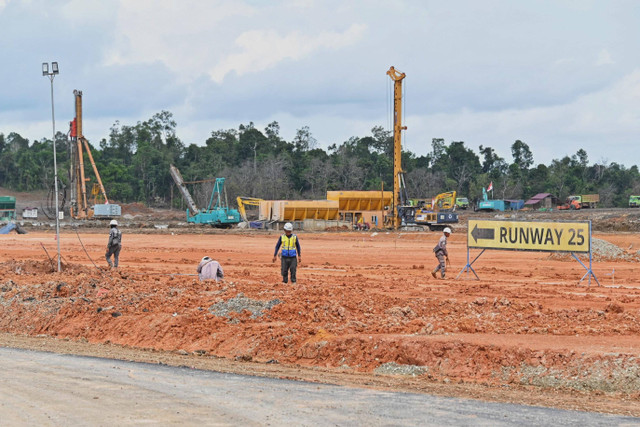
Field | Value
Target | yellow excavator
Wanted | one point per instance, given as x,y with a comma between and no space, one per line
444,201
438,213
249,201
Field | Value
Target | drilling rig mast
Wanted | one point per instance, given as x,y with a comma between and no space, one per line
399,191
80,208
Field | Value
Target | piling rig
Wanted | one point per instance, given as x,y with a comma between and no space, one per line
78,145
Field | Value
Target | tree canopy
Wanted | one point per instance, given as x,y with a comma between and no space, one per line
134,166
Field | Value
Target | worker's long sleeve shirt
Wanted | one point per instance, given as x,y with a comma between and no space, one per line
210,270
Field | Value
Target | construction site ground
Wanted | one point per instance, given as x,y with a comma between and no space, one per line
365,310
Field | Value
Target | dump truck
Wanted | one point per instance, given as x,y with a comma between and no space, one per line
587,200
634,201
462,203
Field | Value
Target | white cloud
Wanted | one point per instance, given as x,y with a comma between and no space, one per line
264,49
187,36
604,58
604,118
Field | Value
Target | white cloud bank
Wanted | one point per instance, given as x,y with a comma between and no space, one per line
261,50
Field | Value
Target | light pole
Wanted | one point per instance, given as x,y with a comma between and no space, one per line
51,75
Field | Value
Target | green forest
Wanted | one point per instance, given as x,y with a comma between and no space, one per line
134,165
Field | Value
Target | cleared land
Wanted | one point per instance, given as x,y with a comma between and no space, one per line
365,311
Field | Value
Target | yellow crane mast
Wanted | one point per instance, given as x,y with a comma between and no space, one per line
398,178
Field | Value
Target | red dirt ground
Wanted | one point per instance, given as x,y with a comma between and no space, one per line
364,303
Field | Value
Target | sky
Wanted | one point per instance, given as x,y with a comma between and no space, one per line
560,75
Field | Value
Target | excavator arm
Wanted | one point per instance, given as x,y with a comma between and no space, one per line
250,201
177,177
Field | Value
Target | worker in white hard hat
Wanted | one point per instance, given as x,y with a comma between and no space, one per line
441,253
209,269
114,245
290,255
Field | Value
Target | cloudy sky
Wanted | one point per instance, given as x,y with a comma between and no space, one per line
559,75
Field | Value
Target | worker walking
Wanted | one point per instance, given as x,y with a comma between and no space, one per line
290,255
441,253
114,245
209,269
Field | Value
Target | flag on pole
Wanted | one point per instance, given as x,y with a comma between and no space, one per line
490,187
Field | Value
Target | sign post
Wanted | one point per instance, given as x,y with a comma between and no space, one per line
557,236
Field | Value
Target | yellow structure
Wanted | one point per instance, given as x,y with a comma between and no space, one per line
298,210
366,205
355,207
397,201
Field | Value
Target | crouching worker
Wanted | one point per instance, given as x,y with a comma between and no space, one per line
209,269
114,245
441,253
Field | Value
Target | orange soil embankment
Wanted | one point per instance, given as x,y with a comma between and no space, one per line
364,302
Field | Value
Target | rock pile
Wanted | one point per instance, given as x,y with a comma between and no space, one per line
240,303
601,250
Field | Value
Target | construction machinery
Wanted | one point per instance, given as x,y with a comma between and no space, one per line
80,207
216,215
402,210
437,214
443,202
572,203
634,201
487,204
7,208
462,203
587,201
246,201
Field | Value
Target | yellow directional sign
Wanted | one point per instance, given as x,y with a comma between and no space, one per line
530,235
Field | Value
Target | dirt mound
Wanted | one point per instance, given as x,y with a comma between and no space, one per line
337,228
27,267
135,209
363,304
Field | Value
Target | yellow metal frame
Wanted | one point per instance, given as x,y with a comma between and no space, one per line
397,78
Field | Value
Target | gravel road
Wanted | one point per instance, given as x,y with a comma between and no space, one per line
38,388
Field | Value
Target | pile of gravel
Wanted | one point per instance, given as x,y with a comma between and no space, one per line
393,368
601,250
240,303
606,250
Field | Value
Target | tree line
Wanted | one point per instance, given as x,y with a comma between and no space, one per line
134,166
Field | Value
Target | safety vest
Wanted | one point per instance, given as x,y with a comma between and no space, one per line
289,245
